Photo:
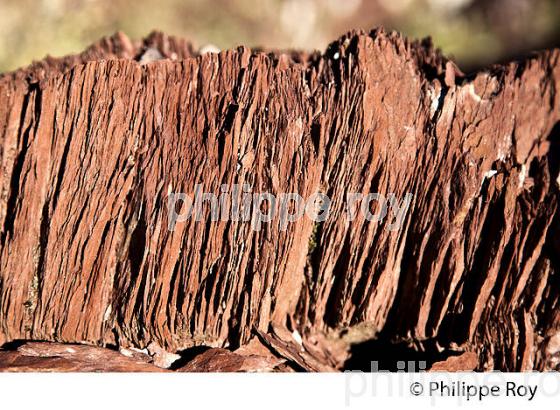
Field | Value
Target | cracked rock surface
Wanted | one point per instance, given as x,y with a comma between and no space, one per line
92,144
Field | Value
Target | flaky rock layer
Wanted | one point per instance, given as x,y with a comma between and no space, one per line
91,145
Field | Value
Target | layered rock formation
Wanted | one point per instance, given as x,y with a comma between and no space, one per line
91,146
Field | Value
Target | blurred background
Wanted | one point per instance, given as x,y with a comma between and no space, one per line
474,32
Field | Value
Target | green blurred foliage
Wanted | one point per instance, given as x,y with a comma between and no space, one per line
475,32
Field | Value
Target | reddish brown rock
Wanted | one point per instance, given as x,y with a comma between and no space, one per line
91,145
465,362
56,357
223,360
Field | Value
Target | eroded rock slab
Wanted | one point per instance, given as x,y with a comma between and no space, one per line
223,360
56,357
91,146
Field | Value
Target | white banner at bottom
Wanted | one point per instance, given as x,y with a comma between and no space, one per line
350,390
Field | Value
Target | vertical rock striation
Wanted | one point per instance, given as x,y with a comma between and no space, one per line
91,145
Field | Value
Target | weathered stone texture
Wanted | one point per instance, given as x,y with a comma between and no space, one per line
90,146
